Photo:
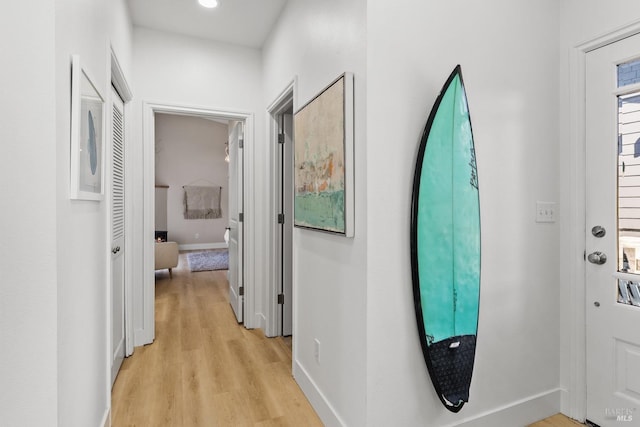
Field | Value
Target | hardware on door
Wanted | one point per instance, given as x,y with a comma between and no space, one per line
597,257
598,231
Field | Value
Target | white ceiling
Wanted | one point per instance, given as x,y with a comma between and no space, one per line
243,22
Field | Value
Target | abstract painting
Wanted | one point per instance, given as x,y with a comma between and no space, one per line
87,147
323,160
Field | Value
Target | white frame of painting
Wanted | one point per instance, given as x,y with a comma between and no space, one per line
348,144
83,176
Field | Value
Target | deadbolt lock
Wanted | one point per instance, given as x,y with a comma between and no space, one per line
598,231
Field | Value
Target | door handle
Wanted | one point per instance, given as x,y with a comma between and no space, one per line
597,257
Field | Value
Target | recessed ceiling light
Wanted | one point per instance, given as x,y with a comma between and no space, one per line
208,3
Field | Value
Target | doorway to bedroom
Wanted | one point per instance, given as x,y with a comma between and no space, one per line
198,204
191,181
185,150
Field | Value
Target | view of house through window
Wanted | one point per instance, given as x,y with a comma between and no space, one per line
629,184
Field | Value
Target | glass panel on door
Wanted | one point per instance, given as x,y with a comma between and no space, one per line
629,73
629,186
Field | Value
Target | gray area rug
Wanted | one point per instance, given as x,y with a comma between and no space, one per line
209,260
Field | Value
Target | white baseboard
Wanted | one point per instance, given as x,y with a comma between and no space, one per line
199,246
261,321
319,402
519,413
106,419
140,338
569,408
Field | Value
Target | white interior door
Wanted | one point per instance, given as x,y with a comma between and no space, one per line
117,235
285,242
613,230
236,219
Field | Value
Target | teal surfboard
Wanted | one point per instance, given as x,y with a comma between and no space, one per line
445,244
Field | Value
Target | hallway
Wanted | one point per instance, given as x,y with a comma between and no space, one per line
203,368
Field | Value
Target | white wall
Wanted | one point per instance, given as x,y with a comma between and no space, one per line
189,72
509,57
120,34
581,21
83,28
161,208
190,151
317,42
52,310
28,293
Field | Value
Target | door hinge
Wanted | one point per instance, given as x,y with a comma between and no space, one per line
280,298
241,290
241,217
281,138
280,218
241,143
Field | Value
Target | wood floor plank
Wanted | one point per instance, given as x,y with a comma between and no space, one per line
557,420
204,369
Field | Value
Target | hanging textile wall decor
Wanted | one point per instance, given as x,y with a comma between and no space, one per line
202,202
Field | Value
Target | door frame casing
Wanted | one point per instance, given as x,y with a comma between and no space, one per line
149,109
576,405
281,102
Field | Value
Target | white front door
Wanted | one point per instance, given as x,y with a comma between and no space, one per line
613,231
117,235
236,219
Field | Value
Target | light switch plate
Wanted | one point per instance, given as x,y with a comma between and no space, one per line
545,211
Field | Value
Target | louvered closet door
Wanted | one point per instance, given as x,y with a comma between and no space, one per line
117,234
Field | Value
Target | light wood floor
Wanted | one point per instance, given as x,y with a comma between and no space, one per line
206,370
203,368
556,421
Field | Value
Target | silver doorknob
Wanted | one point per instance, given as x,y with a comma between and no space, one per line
597,257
